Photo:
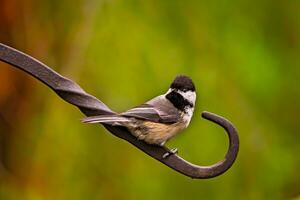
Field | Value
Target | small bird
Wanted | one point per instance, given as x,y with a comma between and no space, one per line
159,119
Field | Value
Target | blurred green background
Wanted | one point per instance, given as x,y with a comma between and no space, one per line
242,55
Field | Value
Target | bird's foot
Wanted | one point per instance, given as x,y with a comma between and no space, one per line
170,152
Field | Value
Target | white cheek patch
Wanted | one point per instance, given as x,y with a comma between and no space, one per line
189,95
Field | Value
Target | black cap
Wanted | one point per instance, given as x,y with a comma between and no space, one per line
183,83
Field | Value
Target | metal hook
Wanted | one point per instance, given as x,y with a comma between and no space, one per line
89,105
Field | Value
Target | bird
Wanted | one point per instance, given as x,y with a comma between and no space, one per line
159,119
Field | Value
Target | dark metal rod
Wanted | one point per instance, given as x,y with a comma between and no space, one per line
90,105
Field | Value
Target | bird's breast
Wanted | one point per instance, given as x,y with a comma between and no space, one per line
187,116
157,133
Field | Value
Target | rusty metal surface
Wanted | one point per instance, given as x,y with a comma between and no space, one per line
90,105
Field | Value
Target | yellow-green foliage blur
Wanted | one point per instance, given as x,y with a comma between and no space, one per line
242,55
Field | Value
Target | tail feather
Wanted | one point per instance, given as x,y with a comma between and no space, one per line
106,119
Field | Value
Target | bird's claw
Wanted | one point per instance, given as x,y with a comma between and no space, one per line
170,152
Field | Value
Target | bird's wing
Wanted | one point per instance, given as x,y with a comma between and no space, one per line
158,109
104,118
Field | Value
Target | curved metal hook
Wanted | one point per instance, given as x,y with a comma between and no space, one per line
89,105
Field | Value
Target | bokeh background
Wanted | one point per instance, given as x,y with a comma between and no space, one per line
242,55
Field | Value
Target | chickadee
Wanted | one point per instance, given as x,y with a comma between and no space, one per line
159,119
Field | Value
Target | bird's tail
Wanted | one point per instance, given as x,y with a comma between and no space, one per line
115,120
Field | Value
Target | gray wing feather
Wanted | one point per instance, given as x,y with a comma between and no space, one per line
158,109
106,119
